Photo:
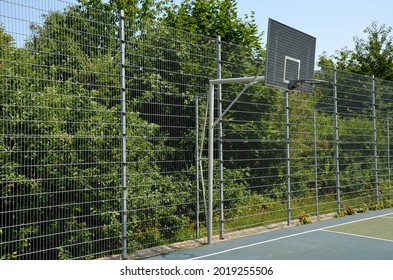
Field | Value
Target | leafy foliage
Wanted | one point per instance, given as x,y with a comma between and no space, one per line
212,18
371,56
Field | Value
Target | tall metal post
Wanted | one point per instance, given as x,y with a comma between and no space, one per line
123,134
388,151
197,162
316,164
288,160
336,140
375,141
220,143
210,164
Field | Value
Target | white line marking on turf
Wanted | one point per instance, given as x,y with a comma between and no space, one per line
358,235
284,237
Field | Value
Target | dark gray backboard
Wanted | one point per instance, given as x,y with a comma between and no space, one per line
290,55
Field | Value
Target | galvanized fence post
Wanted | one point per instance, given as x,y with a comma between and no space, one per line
375,141
197,163
210,164
288,163
123,134
388,151
315,163
220,143
336,140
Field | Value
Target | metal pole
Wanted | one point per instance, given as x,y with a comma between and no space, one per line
375,141
316,164
288,162
197,162
388,150
210,163
220,144
338,199
123,134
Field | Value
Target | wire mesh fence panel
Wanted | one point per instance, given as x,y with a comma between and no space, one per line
356,139
384,93
59,136
166,69
309,150
254,158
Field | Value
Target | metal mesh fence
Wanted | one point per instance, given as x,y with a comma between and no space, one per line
166,69
60,145
103,137
328,152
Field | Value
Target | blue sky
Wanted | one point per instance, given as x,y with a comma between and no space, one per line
333,22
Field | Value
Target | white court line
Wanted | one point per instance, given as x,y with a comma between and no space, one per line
358,235
284,237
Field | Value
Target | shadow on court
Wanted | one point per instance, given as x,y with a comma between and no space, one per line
364,236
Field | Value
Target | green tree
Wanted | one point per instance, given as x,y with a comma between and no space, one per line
6,42
371,56
212,18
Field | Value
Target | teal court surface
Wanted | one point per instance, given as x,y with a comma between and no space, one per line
363,236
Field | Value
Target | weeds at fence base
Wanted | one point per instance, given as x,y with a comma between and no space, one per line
350,210
304,218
